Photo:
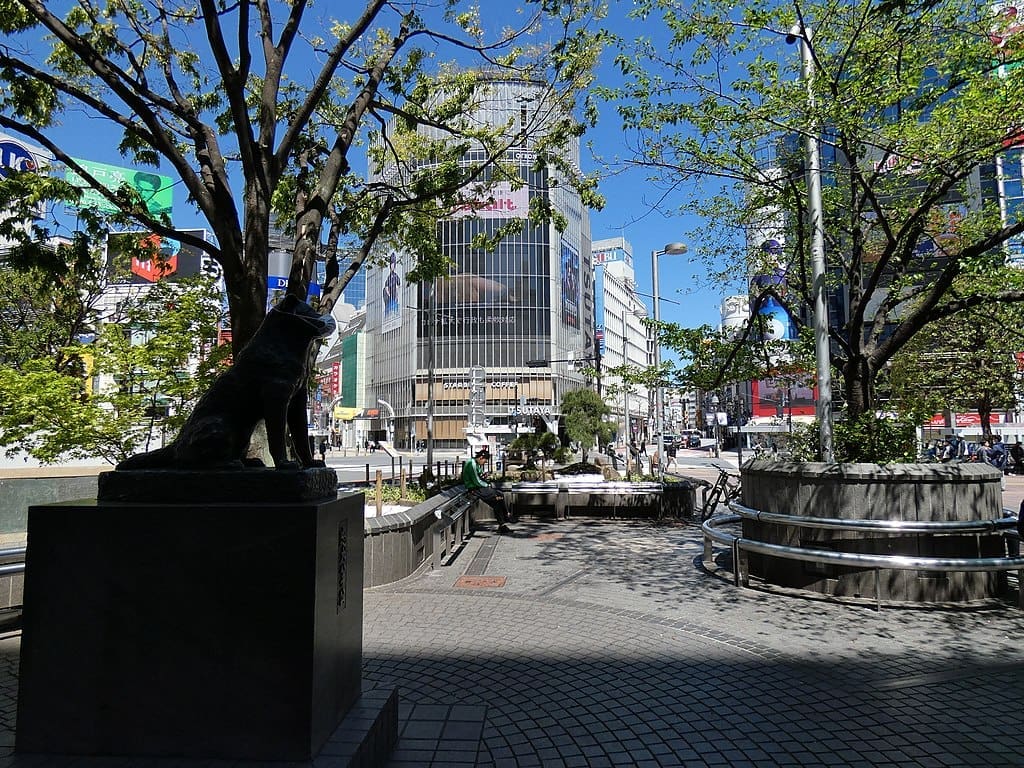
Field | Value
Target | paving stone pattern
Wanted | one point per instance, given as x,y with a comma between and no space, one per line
610,644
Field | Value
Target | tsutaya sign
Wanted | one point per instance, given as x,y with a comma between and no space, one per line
531,410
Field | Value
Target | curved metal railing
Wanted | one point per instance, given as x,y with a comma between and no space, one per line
741,546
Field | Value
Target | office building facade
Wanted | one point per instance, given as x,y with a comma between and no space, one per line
623,339
486,350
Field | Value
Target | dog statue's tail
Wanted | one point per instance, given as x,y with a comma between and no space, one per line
159,458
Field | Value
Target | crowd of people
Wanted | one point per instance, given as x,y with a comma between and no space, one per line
1008,458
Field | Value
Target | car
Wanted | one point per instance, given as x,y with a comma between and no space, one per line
691,439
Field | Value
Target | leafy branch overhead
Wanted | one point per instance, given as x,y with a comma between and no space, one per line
913,104
258,108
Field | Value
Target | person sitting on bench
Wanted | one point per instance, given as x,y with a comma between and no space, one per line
481,489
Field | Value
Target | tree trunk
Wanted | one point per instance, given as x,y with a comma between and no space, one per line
307,239
245,273
985,415
858,387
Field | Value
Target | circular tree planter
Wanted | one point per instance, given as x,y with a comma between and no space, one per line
917,492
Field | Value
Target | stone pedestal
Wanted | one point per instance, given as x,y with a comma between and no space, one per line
198,629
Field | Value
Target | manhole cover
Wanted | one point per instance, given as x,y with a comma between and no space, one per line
476,582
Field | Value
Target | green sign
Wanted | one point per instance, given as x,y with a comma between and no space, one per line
154,188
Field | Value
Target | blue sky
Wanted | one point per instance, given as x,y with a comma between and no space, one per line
629,211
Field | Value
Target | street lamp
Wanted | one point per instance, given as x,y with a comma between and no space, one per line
804,34
390,420
431,365
671,249
718,429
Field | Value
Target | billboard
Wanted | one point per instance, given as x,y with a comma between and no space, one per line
500,202
17,155
391,295
778,325
570,261
145,257
782,396
154,189
500,293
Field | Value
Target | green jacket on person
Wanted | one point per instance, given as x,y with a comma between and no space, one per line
471,475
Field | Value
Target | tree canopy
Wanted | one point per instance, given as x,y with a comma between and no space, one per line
105,383
585,414
260,107
912,107
965,363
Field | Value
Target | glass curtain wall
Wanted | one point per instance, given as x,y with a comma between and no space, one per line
531,299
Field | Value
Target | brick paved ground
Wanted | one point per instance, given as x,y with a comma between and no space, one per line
597,643
610,645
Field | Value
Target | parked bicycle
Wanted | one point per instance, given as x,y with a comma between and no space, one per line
726,488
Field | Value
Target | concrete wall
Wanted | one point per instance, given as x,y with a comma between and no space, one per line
934,492
17,494
397,545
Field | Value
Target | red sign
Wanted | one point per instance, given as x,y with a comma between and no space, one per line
782,397
972,419
163,262
334,386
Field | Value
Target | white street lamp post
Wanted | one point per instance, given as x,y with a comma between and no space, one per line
391,420
814,204
431,363
671,248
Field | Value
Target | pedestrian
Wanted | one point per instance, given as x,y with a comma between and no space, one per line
323,449
1017,454
472,479
984,452
998,454
670,452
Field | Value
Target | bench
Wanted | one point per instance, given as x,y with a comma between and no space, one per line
562,498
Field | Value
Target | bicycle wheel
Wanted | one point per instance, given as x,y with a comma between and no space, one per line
710,503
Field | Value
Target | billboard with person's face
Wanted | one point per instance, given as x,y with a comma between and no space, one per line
154,189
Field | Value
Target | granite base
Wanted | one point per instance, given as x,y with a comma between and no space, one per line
207,630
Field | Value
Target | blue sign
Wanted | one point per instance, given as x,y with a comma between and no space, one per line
15,157
778,324
277,287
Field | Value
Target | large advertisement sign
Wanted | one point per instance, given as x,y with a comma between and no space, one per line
391,295
777,324
145,257
18,156
500,293
499,202
608,255
154,189
570,286
781,397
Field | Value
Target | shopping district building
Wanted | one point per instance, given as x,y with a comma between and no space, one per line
492,348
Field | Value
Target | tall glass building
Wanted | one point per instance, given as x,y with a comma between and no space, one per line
496,335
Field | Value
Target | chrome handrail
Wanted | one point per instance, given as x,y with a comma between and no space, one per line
884,526
740,546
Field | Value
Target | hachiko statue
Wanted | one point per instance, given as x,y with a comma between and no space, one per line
267,381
